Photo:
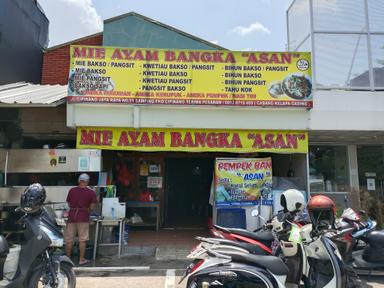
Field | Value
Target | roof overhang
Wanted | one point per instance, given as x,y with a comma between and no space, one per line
22,94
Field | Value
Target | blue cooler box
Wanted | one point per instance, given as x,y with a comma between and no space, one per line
231,218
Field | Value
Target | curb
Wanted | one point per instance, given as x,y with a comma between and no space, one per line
111,269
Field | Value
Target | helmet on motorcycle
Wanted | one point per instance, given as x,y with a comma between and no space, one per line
32,198
322,211
292,200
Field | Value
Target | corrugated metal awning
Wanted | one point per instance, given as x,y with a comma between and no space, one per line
27,94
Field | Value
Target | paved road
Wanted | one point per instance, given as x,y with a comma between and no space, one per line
158,279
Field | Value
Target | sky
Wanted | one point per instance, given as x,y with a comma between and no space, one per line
257,25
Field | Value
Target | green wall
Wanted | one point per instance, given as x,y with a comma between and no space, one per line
134,31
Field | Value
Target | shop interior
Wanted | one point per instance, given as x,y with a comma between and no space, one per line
180,184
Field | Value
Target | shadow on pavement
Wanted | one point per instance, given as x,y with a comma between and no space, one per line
373,281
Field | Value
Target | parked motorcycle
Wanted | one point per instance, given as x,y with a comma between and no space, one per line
221,265
37,264
261,239
366,258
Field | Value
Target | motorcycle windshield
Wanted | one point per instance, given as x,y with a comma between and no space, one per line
350,214
48,219
56,239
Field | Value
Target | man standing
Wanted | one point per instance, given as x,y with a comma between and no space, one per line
81,201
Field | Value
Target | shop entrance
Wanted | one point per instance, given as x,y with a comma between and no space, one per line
371,180
187,190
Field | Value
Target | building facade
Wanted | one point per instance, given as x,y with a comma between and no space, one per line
186,176
23,37
346,124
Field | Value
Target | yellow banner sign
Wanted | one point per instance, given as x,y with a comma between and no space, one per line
242,141
189,77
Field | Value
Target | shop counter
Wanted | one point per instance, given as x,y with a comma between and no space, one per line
156,205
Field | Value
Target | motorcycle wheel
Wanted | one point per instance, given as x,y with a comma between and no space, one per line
67,278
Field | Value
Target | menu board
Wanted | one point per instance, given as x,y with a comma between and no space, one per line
189,77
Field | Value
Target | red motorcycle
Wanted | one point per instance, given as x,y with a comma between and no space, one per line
263,240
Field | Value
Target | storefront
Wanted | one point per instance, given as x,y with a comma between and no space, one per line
345,170
161,154
175,169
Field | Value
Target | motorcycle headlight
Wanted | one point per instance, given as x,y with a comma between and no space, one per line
56,240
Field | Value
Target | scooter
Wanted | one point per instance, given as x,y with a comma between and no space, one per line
229,267
368,258
37,264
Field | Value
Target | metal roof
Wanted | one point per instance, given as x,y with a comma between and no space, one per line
32,95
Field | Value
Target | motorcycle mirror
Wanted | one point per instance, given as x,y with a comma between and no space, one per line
255,213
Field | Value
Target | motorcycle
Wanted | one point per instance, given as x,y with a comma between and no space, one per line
368,258
270,239
261,240
223,265
37,264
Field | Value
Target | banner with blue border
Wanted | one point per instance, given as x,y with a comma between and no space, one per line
243,182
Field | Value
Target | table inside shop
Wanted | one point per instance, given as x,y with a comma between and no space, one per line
108,222
156,205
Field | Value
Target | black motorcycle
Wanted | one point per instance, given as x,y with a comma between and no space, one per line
363,248
39,263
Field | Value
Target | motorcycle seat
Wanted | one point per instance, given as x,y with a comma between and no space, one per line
251,248
376,239
273,264
264,236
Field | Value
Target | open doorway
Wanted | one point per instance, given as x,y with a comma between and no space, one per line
188,184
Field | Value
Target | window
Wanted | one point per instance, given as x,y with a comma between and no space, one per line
344,64
328,169
371,179
376,12
305,46
377,44
298,23
339,15
341,31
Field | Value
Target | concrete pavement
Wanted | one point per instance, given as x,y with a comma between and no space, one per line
121,282
157,278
